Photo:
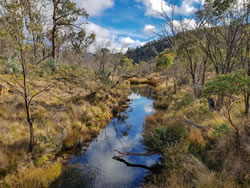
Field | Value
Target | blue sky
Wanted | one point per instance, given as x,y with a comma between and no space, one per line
131,23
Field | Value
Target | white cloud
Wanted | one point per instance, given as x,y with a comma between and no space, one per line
184,24
128,42
148,108
95,7
180,26
134,96
149,30
111,37
154,7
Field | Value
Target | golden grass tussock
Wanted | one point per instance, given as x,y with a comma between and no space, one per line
34,177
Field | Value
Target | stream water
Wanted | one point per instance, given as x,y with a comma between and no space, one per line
95,168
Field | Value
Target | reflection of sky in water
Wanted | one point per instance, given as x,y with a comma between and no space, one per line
97,168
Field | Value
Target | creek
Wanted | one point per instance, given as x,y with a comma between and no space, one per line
95,168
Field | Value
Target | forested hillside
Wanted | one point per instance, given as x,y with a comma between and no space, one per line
148,51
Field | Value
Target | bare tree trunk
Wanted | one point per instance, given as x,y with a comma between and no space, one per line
53,33
247,97
27,104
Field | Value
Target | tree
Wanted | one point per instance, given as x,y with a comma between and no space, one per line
195,61
165,59
221,26
229,87
80,41
18,30
65,15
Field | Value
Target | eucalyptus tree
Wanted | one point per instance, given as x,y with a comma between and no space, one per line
19,28
220,33
66,16
194,60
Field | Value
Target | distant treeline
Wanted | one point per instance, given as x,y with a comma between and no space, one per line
149,51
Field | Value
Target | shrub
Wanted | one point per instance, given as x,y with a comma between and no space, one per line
175,155
50,65
161,137
187,99
12,66
165,59
221,131
197,143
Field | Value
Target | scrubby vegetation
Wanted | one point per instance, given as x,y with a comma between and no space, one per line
194,156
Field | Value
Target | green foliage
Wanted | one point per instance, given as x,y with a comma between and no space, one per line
126,63
227,85
12,66
162,137
69,13
186,100
165,59
221,6
50,65
80,41
221,131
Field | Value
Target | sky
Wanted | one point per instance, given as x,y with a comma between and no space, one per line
127,24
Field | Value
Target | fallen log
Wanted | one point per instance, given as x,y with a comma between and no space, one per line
203,128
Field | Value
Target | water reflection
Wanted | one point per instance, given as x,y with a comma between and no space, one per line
96,168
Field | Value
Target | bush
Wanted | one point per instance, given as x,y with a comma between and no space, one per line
162,137
221,131
175,156
187,99
50,65
197,143
165,59
12,66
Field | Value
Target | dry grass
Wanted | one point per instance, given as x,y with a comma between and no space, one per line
63,119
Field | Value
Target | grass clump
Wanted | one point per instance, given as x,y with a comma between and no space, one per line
34,177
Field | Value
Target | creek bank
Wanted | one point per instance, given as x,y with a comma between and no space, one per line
153,79
76,122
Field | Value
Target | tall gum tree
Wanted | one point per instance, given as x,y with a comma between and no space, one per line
65,15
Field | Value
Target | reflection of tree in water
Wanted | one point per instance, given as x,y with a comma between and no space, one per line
120,126
145,91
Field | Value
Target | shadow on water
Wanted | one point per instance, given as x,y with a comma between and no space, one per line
96,168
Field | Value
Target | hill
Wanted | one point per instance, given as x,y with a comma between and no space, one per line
149,51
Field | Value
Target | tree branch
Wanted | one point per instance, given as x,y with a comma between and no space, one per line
123,154
130,164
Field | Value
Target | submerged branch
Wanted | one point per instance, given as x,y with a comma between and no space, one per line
123,154
130,164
